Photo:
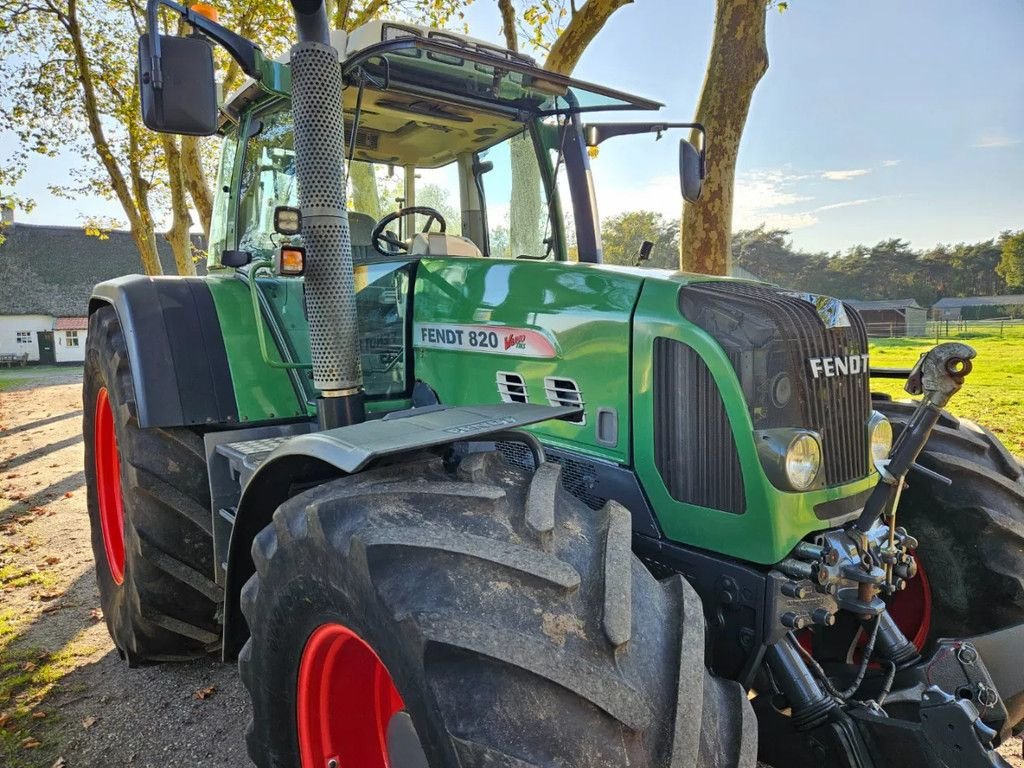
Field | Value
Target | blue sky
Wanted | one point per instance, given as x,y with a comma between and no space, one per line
877,118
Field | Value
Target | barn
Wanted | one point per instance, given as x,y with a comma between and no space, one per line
893,317
46,277
978,307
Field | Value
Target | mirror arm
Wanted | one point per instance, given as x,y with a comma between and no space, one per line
240,49
598,132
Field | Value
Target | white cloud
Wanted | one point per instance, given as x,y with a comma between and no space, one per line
890,163
845,204
772,197
760,195
995,138
845,175
660,194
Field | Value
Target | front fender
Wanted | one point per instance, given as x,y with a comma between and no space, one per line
175,349
302,461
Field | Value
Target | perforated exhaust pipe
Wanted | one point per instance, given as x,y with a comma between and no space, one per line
320,172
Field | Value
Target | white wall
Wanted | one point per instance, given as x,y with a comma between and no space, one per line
11,324
65,353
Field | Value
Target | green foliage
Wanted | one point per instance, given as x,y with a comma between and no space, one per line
437,197
889,270
68,87
1011,258
13,202
623,235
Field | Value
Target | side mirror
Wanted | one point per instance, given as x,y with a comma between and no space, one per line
179,95
691,171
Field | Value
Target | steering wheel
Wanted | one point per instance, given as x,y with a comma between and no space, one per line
379,237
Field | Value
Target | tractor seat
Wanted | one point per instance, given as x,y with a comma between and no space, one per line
360,225
441,244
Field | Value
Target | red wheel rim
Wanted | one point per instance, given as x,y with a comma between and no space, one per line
108,485
911,609
345,701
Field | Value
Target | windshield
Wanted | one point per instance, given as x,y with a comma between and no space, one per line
497,197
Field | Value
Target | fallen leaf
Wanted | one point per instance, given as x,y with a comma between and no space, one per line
31,743
68,494
29,666
205,693
60,762
52,560
38,714
51,608
89,722
4,717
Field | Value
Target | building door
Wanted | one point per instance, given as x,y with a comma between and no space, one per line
46,356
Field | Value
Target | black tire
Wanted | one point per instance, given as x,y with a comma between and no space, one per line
518,627
971,533
167,607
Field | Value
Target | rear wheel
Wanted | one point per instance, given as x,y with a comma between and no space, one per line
149,504
414,616
971,533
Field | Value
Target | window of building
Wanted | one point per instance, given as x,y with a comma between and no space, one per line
24,337
70,338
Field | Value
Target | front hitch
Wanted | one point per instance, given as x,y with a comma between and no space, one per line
938,375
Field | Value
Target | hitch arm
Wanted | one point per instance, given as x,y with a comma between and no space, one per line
938,375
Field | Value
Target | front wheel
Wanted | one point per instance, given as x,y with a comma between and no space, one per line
971,533
418,617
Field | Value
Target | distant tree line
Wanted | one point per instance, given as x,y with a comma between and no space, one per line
888,270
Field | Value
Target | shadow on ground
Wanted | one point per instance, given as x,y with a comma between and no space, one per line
77,700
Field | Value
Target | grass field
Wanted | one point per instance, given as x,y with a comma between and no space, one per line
993,394
37,376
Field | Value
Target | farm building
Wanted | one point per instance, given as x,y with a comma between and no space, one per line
978,307
892,317
46,277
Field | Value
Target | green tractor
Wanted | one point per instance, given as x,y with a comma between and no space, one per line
455,494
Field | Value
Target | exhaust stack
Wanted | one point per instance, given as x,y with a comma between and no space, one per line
320,172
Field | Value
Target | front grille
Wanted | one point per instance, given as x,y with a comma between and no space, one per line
770,337
694,449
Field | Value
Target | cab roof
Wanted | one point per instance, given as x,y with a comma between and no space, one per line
429,96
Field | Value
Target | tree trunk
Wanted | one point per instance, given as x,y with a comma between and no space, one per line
197,182
177,235
508,24
145,242
135,206
738,60
365,197
526,217
583,27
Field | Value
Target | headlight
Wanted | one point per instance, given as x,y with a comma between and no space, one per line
803,460
880,437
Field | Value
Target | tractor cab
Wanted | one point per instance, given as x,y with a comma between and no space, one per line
454,148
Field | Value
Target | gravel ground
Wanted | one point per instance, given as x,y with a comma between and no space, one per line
64,692
66,698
